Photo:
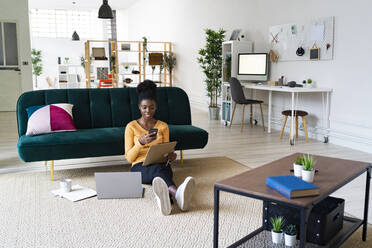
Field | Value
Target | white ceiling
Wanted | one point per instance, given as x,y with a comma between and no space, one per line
80,4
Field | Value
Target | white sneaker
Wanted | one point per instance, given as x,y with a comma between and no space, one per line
184,193
161,192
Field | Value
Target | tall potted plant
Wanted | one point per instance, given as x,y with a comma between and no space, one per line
210,61
37,66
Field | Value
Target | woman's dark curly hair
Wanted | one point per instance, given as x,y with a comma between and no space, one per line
146,91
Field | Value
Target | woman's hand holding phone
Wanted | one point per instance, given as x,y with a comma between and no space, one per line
147,138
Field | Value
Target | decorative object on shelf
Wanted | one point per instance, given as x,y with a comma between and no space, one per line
169,64
37,66
300,51
113,64
98,53
314,53
273,56
277,224
125,47
297,166
290,235
161,67
235,34
135,72
105,11
155,58
102,73
128,80
210,61
67,59
75,36
308,171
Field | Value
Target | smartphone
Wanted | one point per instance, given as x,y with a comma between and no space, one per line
153,131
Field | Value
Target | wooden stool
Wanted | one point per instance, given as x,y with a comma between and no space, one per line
297,113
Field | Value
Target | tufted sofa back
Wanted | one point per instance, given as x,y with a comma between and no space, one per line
99,108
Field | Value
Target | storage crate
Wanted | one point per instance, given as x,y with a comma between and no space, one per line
325,220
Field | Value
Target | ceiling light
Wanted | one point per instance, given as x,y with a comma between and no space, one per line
105,11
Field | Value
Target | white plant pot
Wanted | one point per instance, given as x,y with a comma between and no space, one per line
276,237
308,176
297,168
290,240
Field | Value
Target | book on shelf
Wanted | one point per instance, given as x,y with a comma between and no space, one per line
292,187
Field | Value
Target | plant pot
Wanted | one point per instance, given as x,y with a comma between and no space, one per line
290,240
214,113
297,168
308,176
276,237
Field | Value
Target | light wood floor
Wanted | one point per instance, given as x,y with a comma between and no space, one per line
252,147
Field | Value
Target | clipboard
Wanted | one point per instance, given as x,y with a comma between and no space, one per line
155,154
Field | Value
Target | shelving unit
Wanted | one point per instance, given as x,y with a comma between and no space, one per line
135,55
230,51
68,76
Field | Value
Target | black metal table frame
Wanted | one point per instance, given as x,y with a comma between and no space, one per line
304,213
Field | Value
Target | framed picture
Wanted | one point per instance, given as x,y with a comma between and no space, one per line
314,53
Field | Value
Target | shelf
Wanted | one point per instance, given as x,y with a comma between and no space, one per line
135,51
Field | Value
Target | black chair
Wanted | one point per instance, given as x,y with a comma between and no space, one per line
237,95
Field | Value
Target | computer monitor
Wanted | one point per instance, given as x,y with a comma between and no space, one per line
253,67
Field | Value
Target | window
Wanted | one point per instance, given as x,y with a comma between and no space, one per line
61,23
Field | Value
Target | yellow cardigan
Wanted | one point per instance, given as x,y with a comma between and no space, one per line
134,151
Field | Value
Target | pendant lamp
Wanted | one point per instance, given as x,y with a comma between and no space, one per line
105,11
75,36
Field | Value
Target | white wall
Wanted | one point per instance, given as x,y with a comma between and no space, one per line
51,49
183,22
17,10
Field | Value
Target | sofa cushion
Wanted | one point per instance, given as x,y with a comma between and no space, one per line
188,136
82,143
50,118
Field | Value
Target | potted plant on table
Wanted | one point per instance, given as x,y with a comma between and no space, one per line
297,166
210,61
290,235
308,171
277,232
309,83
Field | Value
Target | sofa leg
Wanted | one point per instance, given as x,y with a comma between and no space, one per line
181,154
51,170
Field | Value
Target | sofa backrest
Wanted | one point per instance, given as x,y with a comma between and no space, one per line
98,108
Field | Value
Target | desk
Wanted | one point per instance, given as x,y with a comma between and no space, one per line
293,91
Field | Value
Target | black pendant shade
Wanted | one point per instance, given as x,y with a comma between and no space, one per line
105,11
75,36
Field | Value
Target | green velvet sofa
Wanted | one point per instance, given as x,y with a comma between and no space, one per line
100,115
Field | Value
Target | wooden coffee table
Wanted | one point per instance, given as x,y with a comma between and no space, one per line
333,174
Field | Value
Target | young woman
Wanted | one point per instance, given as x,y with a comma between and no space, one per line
137,142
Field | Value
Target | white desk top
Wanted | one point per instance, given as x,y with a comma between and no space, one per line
283,88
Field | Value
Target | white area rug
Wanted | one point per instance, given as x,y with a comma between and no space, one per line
30,216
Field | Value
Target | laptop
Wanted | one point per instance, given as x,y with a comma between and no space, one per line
111,185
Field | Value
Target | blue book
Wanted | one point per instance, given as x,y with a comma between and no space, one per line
292,186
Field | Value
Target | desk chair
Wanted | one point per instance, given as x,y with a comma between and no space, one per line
237,95
296,114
